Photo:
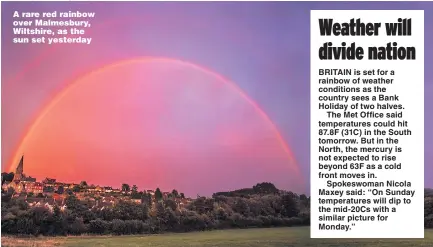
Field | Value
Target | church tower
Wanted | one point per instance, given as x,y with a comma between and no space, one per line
18,176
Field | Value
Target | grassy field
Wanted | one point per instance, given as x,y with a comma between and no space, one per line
271,237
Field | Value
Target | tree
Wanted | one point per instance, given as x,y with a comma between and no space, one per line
290,205
126,210
304,201
428,221
72,203
241,206
83,184
60,190
146,199
126,188
7,177
170,203
158,194
428,206
11,190
175,193
134,188
98,226
160,210
265,188
76,188
135,194
182,196
48,189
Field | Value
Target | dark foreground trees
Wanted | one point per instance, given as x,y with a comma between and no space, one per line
260,207
264,208
428,211
132,218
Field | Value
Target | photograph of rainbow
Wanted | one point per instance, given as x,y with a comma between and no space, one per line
138,118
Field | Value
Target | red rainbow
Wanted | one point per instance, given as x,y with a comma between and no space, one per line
231,85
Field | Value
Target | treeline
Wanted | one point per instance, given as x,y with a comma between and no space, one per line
428,208
261,206
126,217
258,189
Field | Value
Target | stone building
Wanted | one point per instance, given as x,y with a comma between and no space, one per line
18,176
21,183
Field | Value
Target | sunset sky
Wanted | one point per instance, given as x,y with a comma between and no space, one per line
201,97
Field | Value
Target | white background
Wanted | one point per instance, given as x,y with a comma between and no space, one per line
408,221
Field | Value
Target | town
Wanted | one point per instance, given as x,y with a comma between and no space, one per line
50,192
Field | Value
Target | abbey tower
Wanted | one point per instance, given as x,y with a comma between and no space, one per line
18,176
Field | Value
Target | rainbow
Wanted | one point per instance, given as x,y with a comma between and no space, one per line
232,86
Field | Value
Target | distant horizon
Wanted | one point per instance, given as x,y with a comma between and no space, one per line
163,190
145,189
131,184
